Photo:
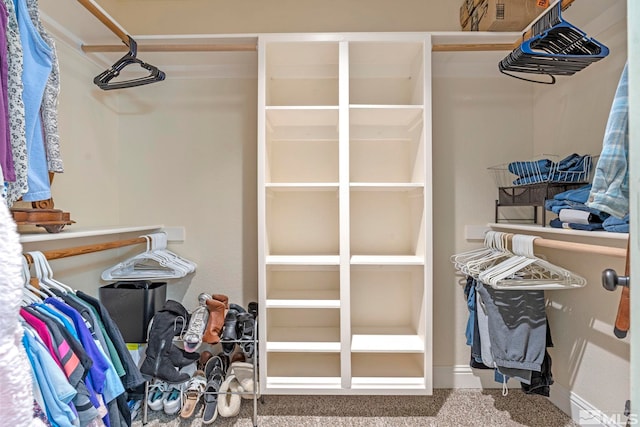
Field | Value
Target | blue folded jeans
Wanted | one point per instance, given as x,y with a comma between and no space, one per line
617,225
529,168
556,223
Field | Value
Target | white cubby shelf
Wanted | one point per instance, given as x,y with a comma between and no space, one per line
344,208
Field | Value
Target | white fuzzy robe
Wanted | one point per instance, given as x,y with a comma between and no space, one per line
16,392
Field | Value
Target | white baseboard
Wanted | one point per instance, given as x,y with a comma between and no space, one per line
580,411
462,376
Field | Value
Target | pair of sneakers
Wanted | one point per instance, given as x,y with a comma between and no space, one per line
168,397
164,396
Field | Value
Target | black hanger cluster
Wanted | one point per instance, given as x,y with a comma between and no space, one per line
104,79
556,48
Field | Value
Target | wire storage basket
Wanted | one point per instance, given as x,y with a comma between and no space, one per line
531,182
546,168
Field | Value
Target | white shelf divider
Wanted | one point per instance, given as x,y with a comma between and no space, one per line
387,343
303,346
303,303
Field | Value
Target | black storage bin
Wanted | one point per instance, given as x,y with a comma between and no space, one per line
132,305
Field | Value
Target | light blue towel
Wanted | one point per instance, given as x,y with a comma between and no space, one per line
610,189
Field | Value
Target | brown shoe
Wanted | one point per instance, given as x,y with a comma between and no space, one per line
222,298
215,323
204,358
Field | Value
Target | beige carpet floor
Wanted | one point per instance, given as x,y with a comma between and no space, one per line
446,407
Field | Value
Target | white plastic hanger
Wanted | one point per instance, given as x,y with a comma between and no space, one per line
42,274
525,271
159,243
158,247
30,294
460,260
499,253
46,274
148,265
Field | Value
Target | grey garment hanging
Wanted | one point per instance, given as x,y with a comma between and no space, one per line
49,108
16,189
517,325
483,329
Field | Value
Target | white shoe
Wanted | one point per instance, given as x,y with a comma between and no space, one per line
172,402
197,324
157,392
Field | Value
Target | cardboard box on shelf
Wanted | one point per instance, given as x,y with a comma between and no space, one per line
466,11
476,16
509,15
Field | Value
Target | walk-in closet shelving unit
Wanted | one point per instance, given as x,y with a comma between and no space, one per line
345,213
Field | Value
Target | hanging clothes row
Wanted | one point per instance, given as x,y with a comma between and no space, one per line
30,84
80,363
507,328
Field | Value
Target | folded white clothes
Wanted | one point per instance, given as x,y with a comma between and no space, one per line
575,216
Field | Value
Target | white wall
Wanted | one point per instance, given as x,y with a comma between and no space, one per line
275,16
88,123
477,123
188,158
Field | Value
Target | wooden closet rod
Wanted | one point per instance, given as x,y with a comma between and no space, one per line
102,16
579,247
213,47
483,47
87,249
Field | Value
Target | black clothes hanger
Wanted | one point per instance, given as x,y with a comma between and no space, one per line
556,48
103,80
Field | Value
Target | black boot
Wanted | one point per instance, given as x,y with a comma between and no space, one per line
160,366
180,358
230,330
229,335
166,324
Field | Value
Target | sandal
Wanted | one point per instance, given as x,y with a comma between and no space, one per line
193,393
210,396
219,362
246,326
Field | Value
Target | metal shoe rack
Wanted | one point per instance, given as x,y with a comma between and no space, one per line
256,387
